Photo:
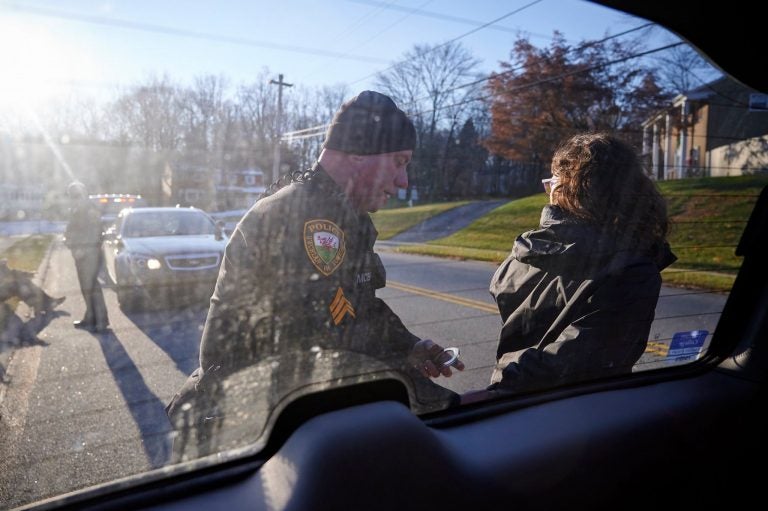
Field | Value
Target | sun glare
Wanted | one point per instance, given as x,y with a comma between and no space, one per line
36,66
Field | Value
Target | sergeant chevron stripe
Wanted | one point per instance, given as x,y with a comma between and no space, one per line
340,307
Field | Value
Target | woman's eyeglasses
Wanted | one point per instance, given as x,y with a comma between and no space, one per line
549,183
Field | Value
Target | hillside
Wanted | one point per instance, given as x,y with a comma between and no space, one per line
708,216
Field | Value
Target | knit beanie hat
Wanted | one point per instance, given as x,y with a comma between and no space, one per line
370,123
76,190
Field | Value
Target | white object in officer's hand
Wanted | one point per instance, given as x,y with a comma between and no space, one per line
453,356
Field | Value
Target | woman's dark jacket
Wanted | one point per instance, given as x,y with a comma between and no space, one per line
577,302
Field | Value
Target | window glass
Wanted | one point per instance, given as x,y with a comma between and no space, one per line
551,192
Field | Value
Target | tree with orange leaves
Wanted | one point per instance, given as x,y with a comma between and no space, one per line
543,95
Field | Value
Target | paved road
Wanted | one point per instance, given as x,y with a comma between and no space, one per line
84,409
81,408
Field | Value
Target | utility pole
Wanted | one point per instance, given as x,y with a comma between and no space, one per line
276,160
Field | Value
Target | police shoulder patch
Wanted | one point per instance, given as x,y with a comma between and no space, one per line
324,243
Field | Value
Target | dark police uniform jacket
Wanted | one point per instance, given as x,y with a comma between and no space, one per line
575,303
83,232
296,297
300,272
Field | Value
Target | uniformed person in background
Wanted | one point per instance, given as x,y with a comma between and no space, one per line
83,238
296,290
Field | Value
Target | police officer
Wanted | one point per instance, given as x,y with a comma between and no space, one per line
297,284
83,238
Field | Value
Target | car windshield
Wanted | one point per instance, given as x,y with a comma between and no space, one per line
476,202
166,223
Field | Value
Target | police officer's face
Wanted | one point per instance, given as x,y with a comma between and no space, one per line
378,177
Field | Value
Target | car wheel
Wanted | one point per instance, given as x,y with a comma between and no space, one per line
129,298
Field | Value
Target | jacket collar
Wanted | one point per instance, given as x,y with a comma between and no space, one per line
361,223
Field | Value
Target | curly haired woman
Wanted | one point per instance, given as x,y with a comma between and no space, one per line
577,296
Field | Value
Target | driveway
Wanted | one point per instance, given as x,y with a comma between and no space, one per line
447,223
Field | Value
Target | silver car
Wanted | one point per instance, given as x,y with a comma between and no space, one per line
153,255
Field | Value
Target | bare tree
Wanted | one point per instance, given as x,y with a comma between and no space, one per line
204,108
429,83
329,98
256,113
148,117
309,108
682,69
150,114
75,117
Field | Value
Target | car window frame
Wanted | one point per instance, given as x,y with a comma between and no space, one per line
733,328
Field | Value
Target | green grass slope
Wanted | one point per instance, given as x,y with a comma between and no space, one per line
707,215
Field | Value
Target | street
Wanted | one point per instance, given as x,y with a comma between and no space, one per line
81,409
84,408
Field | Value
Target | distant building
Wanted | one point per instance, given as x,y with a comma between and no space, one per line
189,185
21,202
708,131
26,173
212,189
239,189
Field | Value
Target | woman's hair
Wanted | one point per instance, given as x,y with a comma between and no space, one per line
601,181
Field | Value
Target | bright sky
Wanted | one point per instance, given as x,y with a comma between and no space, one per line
96,45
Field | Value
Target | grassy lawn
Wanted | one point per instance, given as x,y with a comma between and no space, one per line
708,216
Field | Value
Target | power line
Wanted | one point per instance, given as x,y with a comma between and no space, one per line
437,15
708,85
561,76
509,71
100,20
161,29
520,87
507,15
320,129
371,38
317,130
313,132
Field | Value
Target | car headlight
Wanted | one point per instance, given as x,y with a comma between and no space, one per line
145,262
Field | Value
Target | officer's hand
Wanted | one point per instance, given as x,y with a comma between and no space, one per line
427,356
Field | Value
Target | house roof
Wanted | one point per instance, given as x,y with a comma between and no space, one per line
701,93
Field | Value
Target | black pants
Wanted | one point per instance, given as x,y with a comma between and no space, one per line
88,265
